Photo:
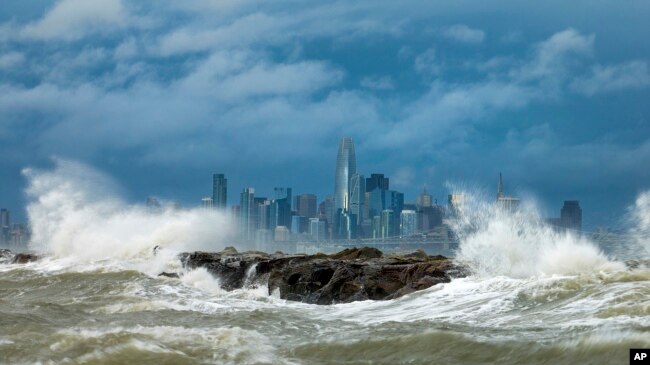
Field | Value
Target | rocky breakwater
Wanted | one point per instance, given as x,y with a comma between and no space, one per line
347,276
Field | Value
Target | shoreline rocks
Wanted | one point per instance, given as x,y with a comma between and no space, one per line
350,275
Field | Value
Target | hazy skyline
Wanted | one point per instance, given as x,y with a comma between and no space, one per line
160,95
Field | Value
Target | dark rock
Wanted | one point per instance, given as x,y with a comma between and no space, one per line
350,275
417,253
229,251
23,258
169,275
357,253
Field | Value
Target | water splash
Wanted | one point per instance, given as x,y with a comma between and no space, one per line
518,243
641,218
76,211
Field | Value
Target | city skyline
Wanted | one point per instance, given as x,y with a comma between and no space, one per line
160,97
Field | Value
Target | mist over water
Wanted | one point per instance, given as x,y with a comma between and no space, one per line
535,296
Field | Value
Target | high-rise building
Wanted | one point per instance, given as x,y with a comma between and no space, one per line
345,225
408,223
247,214
424,200
263,212
5,226
207,202
346,166
505,202
500,193
357,197
571,215
305,205
430,217
456,204
219,191
281,208
388,223
377,181
317,229
281,234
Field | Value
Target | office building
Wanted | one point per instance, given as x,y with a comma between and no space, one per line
207,202
219,191
456,204
357,197
571,215
317,229
388,224
299,224
424,200
281,208
5,227
346,166
305,205
247,214
377,181
281,234
430,218
408,223
504,202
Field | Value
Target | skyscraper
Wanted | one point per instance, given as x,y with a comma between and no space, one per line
247,214
5,225
207,203
505,202
408,223
456,204
424,200
346,166
317,229
305,205
377,181
281,208
571,215
500,193
357,197
219,191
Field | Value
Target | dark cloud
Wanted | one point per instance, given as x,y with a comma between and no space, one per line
162,94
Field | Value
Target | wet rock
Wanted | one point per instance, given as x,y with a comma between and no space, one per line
23,258
358,253
350,275
169,275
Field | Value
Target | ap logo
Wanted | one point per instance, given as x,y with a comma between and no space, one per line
639,356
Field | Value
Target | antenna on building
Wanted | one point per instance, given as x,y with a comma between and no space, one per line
500,193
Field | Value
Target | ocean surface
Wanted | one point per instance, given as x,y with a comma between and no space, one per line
536,296
54,311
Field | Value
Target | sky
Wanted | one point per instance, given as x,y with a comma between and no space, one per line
161,94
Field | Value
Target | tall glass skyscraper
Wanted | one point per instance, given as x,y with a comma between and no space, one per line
219,191
346,166
357,197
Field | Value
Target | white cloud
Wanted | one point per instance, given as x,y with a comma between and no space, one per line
554,56
629,75
11,60
74,19
377,83
426,62
465,34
